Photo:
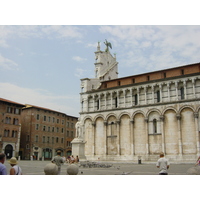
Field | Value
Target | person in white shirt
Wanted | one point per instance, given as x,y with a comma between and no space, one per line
163,165
15,170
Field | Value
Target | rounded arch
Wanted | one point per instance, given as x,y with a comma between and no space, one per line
111,114
9,151
137,112
98,116
153,110
186,106
169,108
87,117
124,113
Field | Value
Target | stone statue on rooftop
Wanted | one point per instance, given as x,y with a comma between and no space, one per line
108,44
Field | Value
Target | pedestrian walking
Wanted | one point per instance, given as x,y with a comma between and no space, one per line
3,170
163,165
58,160
16,169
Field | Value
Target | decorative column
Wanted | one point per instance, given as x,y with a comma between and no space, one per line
176,87
179,135
118,137
145,93
185,91
93,130
132,137
147,136
105,95
193,86
168,90
160,88
124,91
105,136
93,102
152,88
111,100
138,95
196,117
163,133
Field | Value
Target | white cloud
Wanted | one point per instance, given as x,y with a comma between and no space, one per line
80,72
41,98
35,31
7,64
149,48
79,59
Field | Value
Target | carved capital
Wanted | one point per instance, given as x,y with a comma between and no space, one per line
118,122
162,118
146,120
196,115
178,117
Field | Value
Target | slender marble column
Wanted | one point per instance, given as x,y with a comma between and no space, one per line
196,117
179,135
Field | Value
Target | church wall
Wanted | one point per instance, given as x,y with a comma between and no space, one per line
188,131
139,135
171,133
89,137
99,137
125,135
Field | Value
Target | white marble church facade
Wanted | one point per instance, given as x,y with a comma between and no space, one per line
141,115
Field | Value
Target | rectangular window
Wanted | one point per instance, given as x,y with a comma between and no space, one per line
43,139
136,99
45,118
37,127
38,116
36,138
9,110
182,71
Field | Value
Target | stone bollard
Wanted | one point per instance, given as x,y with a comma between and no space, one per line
19,158
51,169
194,171
72,169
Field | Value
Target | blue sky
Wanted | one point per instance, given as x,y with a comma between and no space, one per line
43,65
46,47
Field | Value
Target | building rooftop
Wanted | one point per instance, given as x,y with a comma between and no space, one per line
11,102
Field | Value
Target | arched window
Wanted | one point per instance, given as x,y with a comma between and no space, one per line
154,126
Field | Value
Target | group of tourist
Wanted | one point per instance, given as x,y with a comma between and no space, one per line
58,160
162,163
15,169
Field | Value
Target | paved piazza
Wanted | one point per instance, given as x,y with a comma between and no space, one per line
37,168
